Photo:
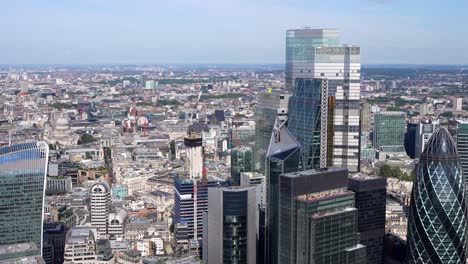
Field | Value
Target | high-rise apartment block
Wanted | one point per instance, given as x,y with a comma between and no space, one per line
23,169
389,130
317,53
437,224
370,199
230,227
318,219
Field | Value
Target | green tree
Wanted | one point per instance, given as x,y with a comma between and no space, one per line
85,139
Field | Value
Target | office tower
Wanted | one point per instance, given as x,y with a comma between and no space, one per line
194,145
230,226
190,201
99,207
370,194
116,223
458,104
318,220
269,107
437,222
424,131
366,117
241,161
54,237
410,139
307,120
220,115
80,246
151,84
317,53
22,185
389,130
258,180
459,131
282,157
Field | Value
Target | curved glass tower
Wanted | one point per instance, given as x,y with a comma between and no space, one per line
437,218
22,186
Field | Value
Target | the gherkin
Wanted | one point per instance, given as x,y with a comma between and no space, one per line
437,218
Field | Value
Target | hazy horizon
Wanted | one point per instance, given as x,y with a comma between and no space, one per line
123,32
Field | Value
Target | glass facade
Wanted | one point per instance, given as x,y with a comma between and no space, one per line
437,217
22,187
282,157
318,221
270,106
235,224
370,200
389,129
241,161
304,119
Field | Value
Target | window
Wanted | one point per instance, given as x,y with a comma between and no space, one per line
322,74
337,74
301,71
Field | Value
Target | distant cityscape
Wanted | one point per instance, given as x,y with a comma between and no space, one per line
317,160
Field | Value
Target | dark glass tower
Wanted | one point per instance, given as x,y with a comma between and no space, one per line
241,161
282,157
230,226
370,200
307,122
437,218
318,220
22,187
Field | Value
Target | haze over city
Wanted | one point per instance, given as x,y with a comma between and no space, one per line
228,31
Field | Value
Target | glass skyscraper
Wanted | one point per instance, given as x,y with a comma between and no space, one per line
282,157
318,220
307,122
22,187
317,53
437,217
241,161
230,225
270,106
389,130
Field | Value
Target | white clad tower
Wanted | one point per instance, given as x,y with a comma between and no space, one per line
317,53
100,205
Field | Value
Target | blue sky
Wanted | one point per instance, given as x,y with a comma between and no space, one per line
226,31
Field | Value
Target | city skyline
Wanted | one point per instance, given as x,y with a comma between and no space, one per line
101,32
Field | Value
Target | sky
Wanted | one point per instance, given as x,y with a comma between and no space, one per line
226,31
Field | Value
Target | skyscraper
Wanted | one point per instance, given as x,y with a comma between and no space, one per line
424,131
459,131
100,207
317,53
194,145
389,130
307,120
241,161
22,186
282,157
230,226
270,106
370,200
190,201
437,218
318,219
366,117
